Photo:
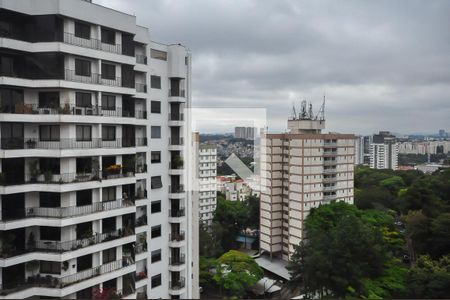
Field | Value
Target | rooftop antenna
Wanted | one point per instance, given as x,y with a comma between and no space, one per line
294,111
321,114
303,113
311,115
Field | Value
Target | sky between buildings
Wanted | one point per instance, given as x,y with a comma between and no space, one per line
383,65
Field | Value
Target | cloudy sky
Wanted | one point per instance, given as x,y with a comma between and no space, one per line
383,65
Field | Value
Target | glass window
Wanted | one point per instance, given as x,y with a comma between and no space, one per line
156,132
155,82
108,133
6,66
49,133
108,102
49,165
156,207
155,107
109,255
108,36
49,99
156,182
50,267
49,199
83,99
155,157
156,231
82,67
82,30
84,133
109,194
156,256
156,281
158,54
108,71
50,233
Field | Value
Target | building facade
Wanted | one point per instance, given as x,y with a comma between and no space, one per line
207,164
384,151
247,133
301,170
92,136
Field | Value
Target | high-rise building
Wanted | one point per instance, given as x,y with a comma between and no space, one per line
92,195
247,133
299,171
359,150
207,164
384,151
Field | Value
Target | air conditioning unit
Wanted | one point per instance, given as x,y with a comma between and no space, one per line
78,111
89,111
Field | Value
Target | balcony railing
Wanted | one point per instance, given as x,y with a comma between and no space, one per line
93,78
140,248
330,171
177,93
34,109
176,165
176,117
177,284
176,141
329,188
69,143
141,221
177,236
71,39
177,213
329,162
141,59
330,144
176,189
141,87
177,260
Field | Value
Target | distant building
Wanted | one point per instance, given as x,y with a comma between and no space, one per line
301,170
359,150
207,164
384,151
442,133
247,133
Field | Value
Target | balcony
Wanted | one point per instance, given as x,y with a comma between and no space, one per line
177,93
177,236
93,78
329,188
69,143
329,179
329,197
329,153
176,189
141,59
176,141
330,144
176,117
71,39
141,221
177,284
141,87
330,162
177,260
330,171
177,213
140,248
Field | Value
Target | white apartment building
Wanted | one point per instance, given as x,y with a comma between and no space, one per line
359,150
384,156
91,185
424,147
301,170
207,164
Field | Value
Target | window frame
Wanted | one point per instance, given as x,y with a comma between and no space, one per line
108,71
84,30
158,54
83,99
83,67
108,98
54,133
156,154
84,138
155,107
155,82
110,133
158,231
158,204
157,134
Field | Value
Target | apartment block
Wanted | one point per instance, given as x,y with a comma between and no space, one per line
301,170
247,133
92,142
207,164
384,151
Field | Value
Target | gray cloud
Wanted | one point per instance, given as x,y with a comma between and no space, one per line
382,64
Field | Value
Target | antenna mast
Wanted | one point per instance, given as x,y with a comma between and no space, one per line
321,113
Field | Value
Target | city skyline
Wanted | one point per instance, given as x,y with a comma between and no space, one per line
382,65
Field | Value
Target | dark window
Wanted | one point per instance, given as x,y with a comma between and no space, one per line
10,99
6,66
155,82
109,194
82,30
156,182
156,231
50,233
108,71
84,133
156,256
109,225
108,36
156,107
49,199
49,133
82,67
108,133
49,165
50,267
156,132
49,99
5,28
156,281
108,102
156,157
156,207
84,165
83,99
109,255
157,54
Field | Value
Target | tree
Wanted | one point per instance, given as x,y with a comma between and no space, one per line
236,272
430,279
205,267
393,184
341,249
252,205
418,230
440,236
232,218
211,240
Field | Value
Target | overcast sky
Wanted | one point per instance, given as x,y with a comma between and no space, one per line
383,65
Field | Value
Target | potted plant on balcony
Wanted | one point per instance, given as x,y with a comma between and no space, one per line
7,247
114,169
48,176
34,170
31,144
177,162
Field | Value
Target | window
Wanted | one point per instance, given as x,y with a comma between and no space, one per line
156,132
156,281
156,256
50,233
155,107
6,65
156,207
48,99
156,231
156,157
49,133
109,255
83,99
108,36
49,199
108,133
155,82
108,71
156,182
82,30
82,67
49,165
50,267
108,102
84,133
158,54
109,194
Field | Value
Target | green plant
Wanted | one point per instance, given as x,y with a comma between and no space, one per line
34,169
178,161
48,175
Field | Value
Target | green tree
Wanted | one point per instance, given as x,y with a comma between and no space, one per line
418,231
252,205
393,184
232,218
205,274
440,236
211,240
430,279
236,272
